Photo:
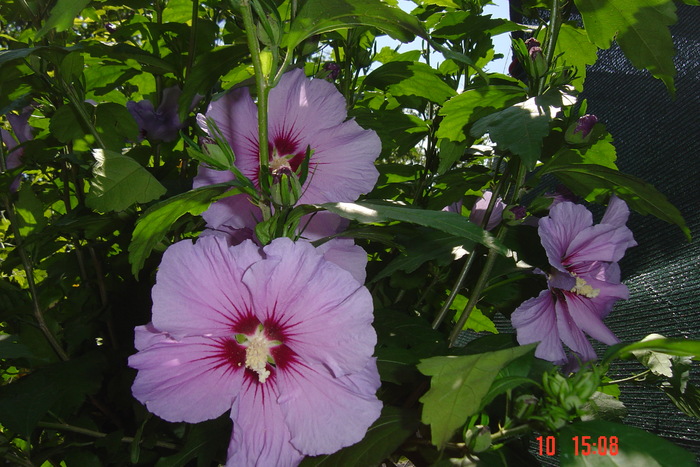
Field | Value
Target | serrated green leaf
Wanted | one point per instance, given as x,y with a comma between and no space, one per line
636,447
472,105
688,401
639,195
578,51
382,438
61,16
318,16
450,222
477,321
119,182
640,27
156,221
410,79
521,127
458,386
602,406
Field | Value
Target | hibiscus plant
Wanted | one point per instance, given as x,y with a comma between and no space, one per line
270,233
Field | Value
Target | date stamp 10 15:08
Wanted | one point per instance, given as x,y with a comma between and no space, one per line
583,445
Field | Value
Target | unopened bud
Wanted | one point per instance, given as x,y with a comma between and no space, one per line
532,42
285,189
579,133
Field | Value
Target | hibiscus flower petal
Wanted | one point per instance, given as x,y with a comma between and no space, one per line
260,435
298,105
602,242
586,316
326,314
558,230
342,165
198,287
535,320
347,255
325,413
569,332
188,380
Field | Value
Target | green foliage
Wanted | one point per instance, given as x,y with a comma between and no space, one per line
370,213
458,386
319,16
591,180
157,220
640,27
120,182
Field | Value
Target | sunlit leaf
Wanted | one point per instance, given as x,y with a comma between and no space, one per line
119,182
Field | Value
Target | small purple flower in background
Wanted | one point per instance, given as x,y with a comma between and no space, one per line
583,284
481,206
162,124
281,338
302,113
560,194
585,124
23,133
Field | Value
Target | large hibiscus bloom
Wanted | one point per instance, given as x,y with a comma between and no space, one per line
281,338
302,113
583,283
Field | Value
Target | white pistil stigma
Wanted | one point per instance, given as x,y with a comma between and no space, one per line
256,354
582,288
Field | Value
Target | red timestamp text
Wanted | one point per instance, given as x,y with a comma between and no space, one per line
583,445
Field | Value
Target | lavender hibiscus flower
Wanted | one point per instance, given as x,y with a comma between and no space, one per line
161,124
302,113
281,338
583,284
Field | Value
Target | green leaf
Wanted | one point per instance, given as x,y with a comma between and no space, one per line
207,70
120,182
384,436
319,16
115,124
410,79
476,321
30,212
11,347
458,386
60,387
66,125
640,195
474,104
450,222
521,127
640,27
61,16
635,447
156,221
687,401
602,406
679,347
578,51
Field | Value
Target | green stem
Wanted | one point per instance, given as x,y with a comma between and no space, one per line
193,38
629,378
475,296
455,290
552,35
510,433
98,434
33,290
261,85
77,104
